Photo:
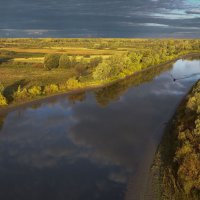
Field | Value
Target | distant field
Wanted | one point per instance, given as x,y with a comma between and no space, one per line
32,75
22,65
29,60
70,51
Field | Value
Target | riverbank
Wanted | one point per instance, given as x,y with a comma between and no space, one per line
176,165
78,88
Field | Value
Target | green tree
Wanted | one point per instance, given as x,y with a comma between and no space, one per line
119,63
74,61
64,61
95,61
135,58
51,61
102,71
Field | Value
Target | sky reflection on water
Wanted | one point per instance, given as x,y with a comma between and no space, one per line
97,145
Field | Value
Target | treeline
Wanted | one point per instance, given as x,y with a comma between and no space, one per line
121,65
34,92
52,61
181,160
96,43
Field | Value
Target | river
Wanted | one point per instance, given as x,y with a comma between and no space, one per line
95,145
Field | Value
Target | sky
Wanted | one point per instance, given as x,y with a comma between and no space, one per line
100,18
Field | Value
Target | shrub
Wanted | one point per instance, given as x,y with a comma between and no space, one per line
81,68
1,88
73,61
95,61
191,104
186,148
49,89
51,61
188,173
73,83
185,159
134,57
63,86
35,91
3,101
21,93
64,61
102,71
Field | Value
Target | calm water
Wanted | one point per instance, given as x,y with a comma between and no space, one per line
91,146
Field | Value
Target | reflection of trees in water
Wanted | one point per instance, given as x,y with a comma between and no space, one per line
73,98
192,57
113,92
1,121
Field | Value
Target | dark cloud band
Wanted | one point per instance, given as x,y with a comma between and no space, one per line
92,18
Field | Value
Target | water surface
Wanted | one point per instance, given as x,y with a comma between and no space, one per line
97,145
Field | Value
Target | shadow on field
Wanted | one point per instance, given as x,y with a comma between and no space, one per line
11,89
4,60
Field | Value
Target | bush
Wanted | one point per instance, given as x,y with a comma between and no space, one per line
185,154
95,61
80,67
188,173
49,89
64,61
115,66
35,91
102,71
1,88
134,57
21,93
3,101
73,61
73,83
51,61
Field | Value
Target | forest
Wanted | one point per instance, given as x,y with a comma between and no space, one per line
179,150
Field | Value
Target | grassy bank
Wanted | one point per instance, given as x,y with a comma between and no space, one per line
178,158
85,63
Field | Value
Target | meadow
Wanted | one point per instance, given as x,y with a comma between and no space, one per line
35,68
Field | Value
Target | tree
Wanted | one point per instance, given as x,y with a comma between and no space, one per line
51,61
64,61
113,66
95,61
102,71
74,61
119,63
135,58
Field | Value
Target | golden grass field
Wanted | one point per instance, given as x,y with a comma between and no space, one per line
24,65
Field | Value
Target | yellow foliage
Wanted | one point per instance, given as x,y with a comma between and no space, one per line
72,83
3,101
35,91
49,89
21,93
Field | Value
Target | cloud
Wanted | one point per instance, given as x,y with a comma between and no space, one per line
193,11
104,18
